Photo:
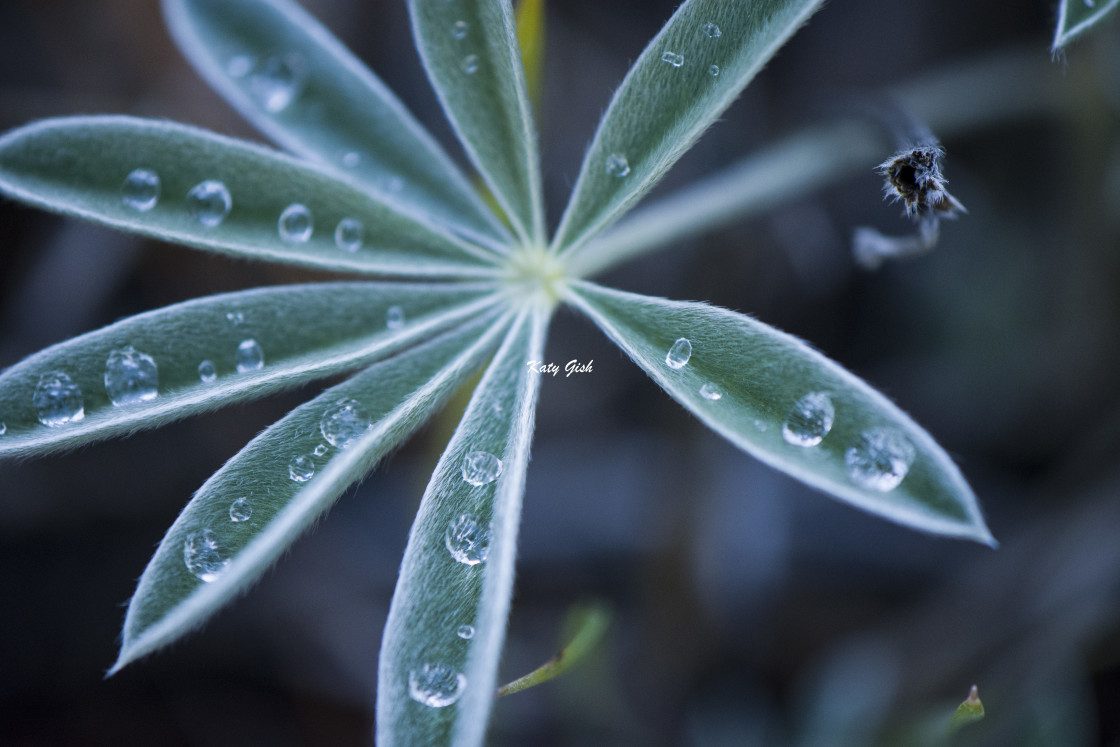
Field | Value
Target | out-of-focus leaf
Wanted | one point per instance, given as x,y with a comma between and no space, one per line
531,37
589,622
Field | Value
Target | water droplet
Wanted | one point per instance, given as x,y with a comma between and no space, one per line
880,459
301,468
467,539
1090,3
278,81
674,59
249,357
239,66
711,391
466,632
295,224
617,165
240,510
714,71
235,317
349,235
459,29
394,317
209,202
3,427
809,420
344,423
58,400
131,377
140,190
204,556
712,31
481,468
679,353
436,685
351,159
469,65
320,450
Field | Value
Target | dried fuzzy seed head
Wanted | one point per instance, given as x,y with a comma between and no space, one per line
914,176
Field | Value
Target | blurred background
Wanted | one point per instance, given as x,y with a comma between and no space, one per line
748,609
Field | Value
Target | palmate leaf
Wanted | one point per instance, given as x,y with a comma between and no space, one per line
291,78
80,166
300,331
1075,17
436,678
789,406
684,79
254,507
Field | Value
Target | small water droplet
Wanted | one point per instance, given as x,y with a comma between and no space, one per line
295,224
469,65
209,202
301,468
320,450
236,318
240,510
207,372
436,685
344,423
809,420
140,190
712,31
249,357
203,555
131,377
459,29
880,459
617,165
278,81
3,427
674,59
349,235
481,468
394,317
714,71
711,392
58,400
679,353
466,632
467,539
351,159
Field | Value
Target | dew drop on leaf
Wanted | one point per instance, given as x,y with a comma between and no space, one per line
349,235
809,420
466,632
58,400
394,317
679,353
714,71
235,317
344,423
207,372
459,29
481,468
711,31
880,459
140,190
674,59
711,392
301,468
203,555
131,377
469,65
3,427
209,202
467,539
278,81
295,224
319,450
249,357
240,510
436,685
617,165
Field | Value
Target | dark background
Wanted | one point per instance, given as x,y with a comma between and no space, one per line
747,608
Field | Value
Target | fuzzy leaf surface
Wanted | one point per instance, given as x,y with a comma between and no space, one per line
434,686
688,75
748,382
78,166
289,76
303,331
1075,17
471,54
219,544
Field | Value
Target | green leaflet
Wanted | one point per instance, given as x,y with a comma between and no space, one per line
220,544
789,406
435,687
1075,17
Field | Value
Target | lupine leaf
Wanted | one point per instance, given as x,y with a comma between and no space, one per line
436,680
302,332
789,406
220,544
79,166
1075,17
295,81
688,75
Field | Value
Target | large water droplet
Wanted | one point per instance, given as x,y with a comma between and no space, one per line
880,459
140,190
249,356
481,468
301,468
240,510
58,400
459,29
467,539
349,235
809,420
344,423
679,353
674,59
436,685
295,224
711,31
278,81
617,165
209,202
131,377
466,632
204,556
207,372
469,65
394,317
711,392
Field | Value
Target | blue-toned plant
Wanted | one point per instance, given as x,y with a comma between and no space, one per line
459,286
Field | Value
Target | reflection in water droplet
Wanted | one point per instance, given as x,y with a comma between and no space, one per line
436,685
278,81
469,65
203,555
674,59
481,468
58,400
809,420
711,391
301,468
240,510
394,317
344,422
679,353
459,29
466,632
467,539
351,159
131,377
207,372
295,224
349,235
249,357
712,31
714,71
617,165
140,190
209,202
239,66
880,459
